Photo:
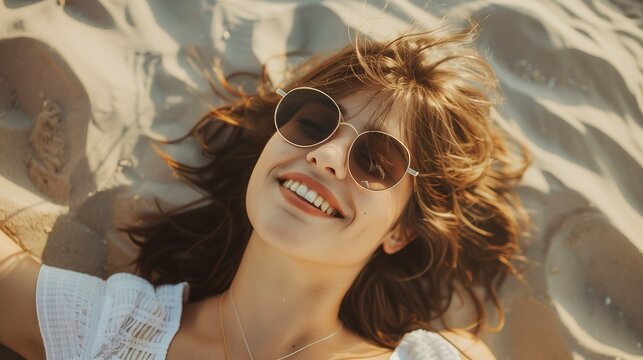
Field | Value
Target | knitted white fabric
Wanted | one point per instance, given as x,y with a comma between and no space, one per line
125,317
84,317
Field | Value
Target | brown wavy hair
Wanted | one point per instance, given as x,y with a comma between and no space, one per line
466,216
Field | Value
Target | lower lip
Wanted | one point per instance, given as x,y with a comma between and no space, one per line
301,204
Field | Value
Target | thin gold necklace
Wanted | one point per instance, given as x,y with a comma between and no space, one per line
225,342
243,335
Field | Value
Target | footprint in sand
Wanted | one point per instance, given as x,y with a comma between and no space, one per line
48,153
595,276
7,96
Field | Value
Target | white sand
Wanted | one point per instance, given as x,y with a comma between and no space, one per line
85,87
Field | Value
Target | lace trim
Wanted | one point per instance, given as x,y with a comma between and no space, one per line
138,321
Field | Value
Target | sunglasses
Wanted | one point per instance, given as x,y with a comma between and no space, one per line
307,117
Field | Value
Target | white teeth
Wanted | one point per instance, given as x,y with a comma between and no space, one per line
310,196
318,201
302,190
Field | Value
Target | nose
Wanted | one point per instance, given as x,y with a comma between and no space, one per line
332,155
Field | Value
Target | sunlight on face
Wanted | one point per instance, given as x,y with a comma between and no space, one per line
367,215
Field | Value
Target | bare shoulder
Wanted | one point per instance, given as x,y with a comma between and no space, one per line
468,344
356,347
18,276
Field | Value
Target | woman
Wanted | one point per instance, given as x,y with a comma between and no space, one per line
343,213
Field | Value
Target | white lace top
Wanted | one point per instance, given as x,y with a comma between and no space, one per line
125,317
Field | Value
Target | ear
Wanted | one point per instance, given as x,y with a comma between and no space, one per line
396,239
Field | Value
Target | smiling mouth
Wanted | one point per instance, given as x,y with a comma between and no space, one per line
309,196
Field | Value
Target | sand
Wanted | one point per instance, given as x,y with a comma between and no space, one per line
86,87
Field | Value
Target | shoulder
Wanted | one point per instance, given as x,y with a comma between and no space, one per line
468,344
18,320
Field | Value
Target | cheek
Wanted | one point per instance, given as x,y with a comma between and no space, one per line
374,220
272,154
259,175
275,153
378,212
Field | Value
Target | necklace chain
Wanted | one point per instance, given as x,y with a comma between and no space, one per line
225,342
245,341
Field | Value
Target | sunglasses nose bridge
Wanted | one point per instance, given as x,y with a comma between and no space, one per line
348,143
350,126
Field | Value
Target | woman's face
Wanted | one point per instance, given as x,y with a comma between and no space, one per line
287,222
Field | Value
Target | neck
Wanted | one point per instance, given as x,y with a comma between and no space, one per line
283,303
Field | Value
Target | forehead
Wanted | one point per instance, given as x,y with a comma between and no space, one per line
362,109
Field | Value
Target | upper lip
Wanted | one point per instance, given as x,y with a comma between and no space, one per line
314,185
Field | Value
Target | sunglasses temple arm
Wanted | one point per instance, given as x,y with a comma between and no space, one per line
412,172
281,92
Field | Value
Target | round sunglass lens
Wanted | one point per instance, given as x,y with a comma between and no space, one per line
306,117
378,161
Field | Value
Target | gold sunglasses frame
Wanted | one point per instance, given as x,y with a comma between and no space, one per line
341,121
